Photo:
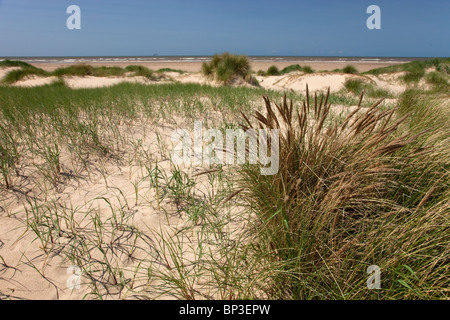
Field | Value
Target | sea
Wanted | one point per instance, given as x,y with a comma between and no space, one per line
157,58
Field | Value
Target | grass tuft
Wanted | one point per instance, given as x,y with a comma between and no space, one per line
356,86
272,71
365,191
227,67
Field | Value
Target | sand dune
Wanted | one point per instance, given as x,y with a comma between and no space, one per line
101,193
295,81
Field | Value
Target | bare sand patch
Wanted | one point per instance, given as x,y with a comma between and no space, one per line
93,82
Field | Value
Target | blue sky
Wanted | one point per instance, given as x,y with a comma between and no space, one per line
409,28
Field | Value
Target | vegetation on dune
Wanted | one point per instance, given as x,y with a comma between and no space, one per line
439,63
80,70
88,70
372,190
19,74
26,69
307,69
171,70
227,67
356,86
347,69
439,81
273,70
14,63
416,70
350,69
141,71
291,68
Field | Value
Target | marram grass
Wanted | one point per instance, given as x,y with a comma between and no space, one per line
366,191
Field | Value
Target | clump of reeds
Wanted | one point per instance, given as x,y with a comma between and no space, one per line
348,195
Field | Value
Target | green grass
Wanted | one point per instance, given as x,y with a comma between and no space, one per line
88,70
356,86
272,71
26,70
80,70
14,63
350,69
171,70
415,70
347,69
439,81
126,99
19,74
414,66
227,67
307,69
141,71
291,68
